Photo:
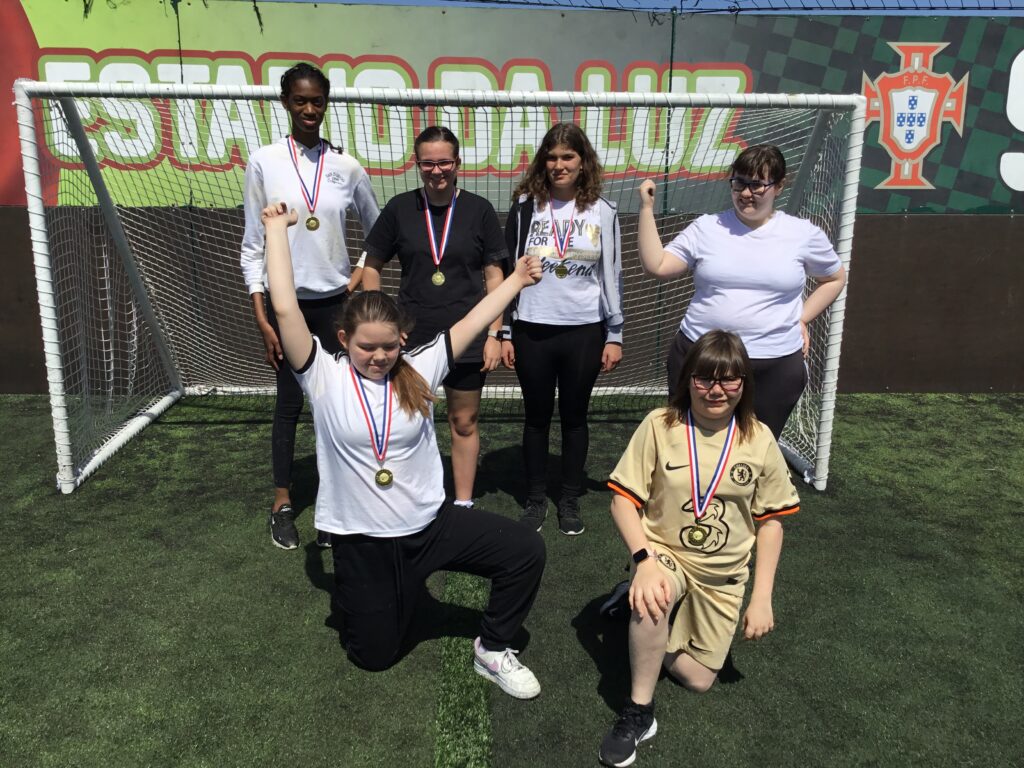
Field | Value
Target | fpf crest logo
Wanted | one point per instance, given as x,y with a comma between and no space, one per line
910,106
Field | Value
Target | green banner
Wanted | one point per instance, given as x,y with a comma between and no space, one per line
945,95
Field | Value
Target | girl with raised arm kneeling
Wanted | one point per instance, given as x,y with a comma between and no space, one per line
381,494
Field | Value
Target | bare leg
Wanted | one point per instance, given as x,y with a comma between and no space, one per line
689,672
647,641
463,412
282,496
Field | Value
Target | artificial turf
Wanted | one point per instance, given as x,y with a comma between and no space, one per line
147,620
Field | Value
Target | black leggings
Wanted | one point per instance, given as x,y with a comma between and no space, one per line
778,382
321,315
568,357
378,581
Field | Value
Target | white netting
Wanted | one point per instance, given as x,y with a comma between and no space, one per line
173,168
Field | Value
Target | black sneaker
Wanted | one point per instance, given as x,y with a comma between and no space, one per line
635,724
282,527
569,521
323,539
534,513
616,607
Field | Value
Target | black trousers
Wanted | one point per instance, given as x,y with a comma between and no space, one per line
569,358
378,580
778,382
321,318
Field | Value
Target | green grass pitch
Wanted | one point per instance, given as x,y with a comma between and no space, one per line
146,620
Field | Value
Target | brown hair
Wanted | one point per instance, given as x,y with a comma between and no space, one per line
715,354
433,133
754,161
411,389
588,185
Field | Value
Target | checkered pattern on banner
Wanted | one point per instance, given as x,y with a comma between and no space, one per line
830,54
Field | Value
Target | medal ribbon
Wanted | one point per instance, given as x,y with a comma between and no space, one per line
311,198
438,253
379,440
701,503
561,243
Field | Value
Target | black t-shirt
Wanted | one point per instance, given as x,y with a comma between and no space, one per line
475,240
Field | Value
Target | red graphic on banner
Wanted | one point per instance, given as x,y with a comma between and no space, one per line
910,106
19,60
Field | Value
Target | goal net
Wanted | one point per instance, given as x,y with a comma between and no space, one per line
135,207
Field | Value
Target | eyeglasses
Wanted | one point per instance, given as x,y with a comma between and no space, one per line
756,187
428,166
727,383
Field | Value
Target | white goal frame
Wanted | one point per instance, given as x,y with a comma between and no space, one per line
814,468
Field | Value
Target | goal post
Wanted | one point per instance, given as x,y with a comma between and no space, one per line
135,194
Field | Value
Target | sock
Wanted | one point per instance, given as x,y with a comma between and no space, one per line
467,503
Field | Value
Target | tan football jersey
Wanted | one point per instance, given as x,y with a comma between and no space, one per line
654,474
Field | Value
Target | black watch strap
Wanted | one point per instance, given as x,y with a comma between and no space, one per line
640,555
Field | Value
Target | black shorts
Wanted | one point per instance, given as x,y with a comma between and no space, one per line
466,377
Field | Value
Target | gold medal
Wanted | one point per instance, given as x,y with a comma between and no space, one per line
696,535
437,278
312,223
561,271
384,477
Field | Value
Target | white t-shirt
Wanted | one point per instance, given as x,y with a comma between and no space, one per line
320,259
574,299
349,499
751,281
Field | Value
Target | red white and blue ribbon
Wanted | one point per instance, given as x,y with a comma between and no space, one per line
437,253
311,198
378,438
701,503
561,243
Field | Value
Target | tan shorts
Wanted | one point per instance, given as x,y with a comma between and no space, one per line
705,623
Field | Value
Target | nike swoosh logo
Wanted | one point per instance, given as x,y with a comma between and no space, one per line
669,467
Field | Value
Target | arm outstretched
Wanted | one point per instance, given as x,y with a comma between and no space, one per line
490,307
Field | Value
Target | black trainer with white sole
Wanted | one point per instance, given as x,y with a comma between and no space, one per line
635,724
283,532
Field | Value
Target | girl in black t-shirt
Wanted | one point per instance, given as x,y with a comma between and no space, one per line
450,247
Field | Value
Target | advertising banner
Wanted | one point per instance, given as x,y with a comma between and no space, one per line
945,95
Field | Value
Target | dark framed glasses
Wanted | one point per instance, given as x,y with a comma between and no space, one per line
727,383
756,187
428,166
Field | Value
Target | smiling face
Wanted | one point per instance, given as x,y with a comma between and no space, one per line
306,103
373,348
755,210
442,171
713,406
563,171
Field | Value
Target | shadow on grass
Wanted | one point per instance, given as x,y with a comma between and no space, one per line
606,642
503,471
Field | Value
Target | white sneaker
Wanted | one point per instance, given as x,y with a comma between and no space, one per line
504,669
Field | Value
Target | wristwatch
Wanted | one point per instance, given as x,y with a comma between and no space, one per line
494,334
640,555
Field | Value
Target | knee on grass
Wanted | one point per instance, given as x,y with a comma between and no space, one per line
689,672
374,658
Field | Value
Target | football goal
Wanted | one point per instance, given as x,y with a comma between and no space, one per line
135,195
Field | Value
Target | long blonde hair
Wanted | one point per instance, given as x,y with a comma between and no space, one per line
411,389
